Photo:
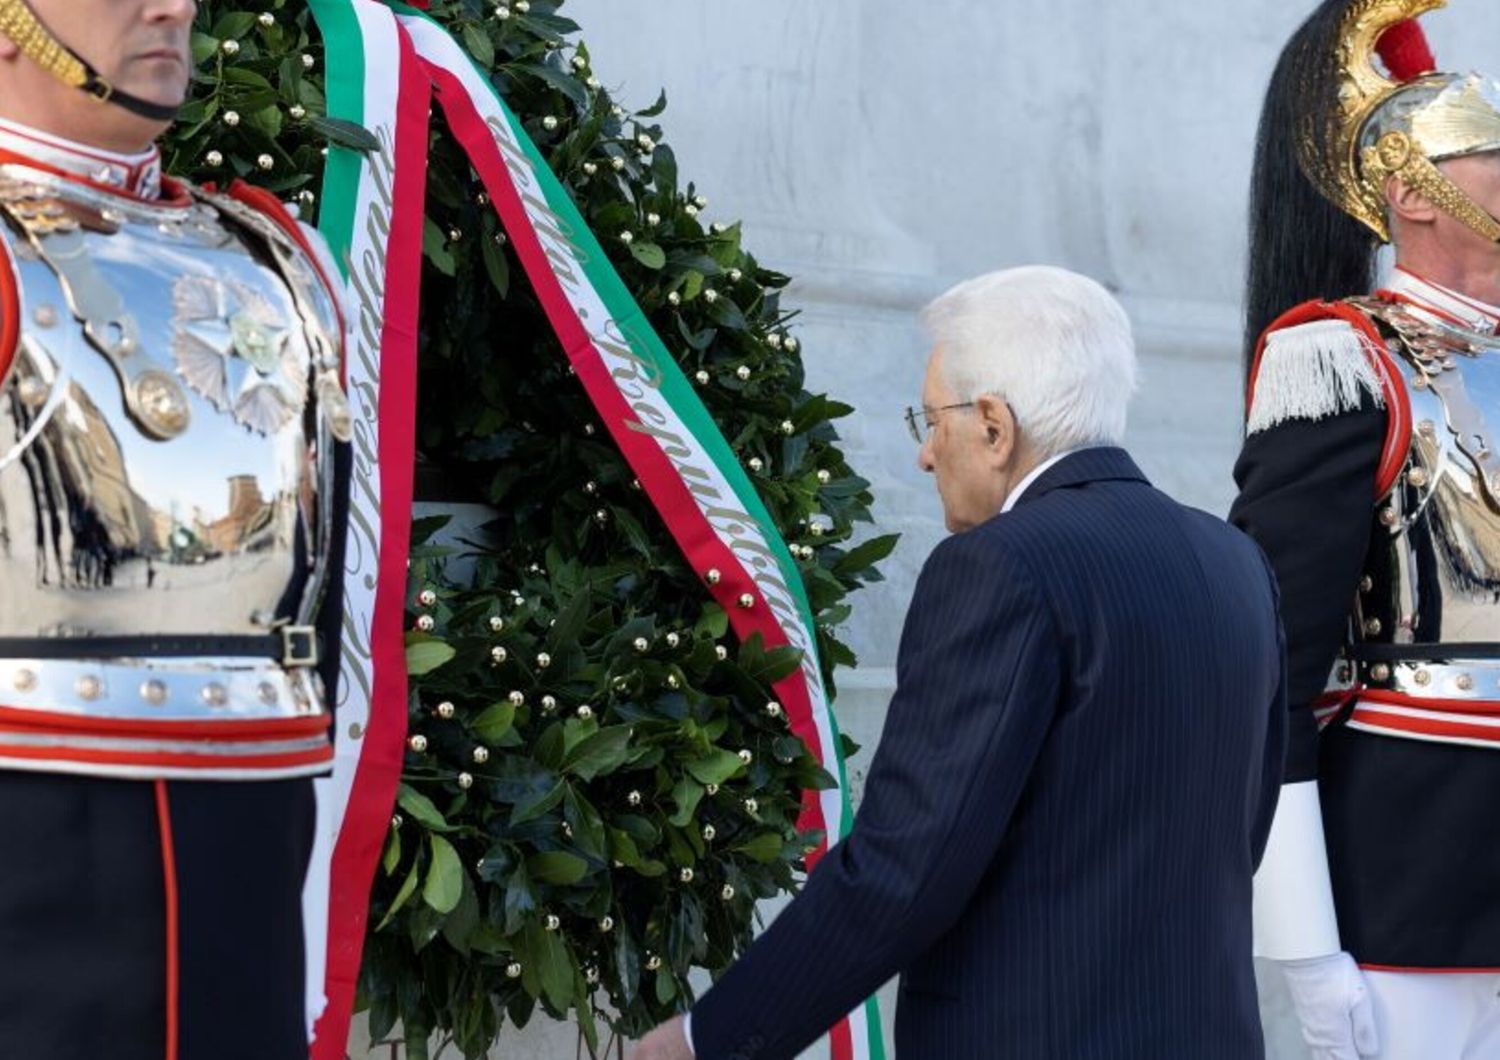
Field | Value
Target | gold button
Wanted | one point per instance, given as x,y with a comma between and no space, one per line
1422,677
25,680
1417,477
154,692
1388,517
1380,672
215,694
1373,627
1465,682
89,687
1366,584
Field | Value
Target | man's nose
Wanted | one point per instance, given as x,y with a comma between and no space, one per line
172,11
924,457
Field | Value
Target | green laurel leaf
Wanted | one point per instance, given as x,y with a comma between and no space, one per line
445,877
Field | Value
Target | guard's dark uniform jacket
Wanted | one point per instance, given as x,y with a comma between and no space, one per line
1371,478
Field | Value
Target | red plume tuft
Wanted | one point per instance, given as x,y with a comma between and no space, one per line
1405,51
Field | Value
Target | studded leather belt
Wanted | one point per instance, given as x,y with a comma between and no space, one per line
1438,693
290,646
241,717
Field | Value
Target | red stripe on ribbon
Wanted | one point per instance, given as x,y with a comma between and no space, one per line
657,473
373,793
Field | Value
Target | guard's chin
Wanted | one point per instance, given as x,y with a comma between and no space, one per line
164,82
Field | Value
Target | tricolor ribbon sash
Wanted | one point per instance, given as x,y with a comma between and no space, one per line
372,213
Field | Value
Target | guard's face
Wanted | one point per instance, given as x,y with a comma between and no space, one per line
1479,177
139,46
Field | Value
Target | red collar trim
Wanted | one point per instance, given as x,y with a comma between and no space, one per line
1484,319
138,174
1385,294
173,192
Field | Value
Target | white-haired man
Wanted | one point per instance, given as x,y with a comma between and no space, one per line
1080,764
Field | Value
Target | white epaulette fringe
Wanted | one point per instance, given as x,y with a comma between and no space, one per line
1310,372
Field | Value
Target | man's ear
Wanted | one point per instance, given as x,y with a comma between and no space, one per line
999,427
1408,203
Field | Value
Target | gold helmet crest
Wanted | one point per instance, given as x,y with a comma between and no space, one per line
1398,125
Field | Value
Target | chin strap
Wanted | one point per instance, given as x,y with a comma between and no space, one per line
1397,155
20,24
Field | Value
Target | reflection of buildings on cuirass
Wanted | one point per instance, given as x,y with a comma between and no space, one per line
249,523
1470,534
81,493
94,465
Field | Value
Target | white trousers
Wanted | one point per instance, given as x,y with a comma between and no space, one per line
1436,1016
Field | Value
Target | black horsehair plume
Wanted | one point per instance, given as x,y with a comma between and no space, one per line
1302,246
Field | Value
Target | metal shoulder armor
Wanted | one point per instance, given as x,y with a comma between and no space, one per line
1426,629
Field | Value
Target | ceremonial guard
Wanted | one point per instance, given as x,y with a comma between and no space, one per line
171,419
1370,475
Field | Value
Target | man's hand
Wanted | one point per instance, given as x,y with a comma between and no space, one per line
1333,1006
667,1042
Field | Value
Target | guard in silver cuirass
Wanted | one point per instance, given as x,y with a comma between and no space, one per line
172,467
1370,475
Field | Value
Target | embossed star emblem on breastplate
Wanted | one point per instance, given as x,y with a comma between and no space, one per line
232,347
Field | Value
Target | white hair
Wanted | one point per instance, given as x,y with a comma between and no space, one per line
1054,345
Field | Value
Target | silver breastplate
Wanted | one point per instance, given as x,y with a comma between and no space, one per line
159,460
167,427
1429,600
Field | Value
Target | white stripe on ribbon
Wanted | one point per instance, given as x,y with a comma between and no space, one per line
378,28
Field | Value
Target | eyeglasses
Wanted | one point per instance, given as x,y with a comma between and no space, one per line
921,420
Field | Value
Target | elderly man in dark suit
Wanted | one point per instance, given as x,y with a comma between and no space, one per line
1081,761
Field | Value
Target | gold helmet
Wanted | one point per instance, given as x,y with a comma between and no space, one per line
1399,125
21,25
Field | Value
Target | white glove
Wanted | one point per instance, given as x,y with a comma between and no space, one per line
1333,1006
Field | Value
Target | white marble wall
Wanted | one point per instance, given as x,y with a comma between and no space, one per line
879,151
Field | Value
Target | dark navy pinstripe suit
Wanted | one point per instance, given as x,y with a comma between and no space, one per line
1071,793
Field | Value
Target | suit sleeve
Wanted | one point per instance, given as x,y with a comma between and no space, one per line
1306,497
978,679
